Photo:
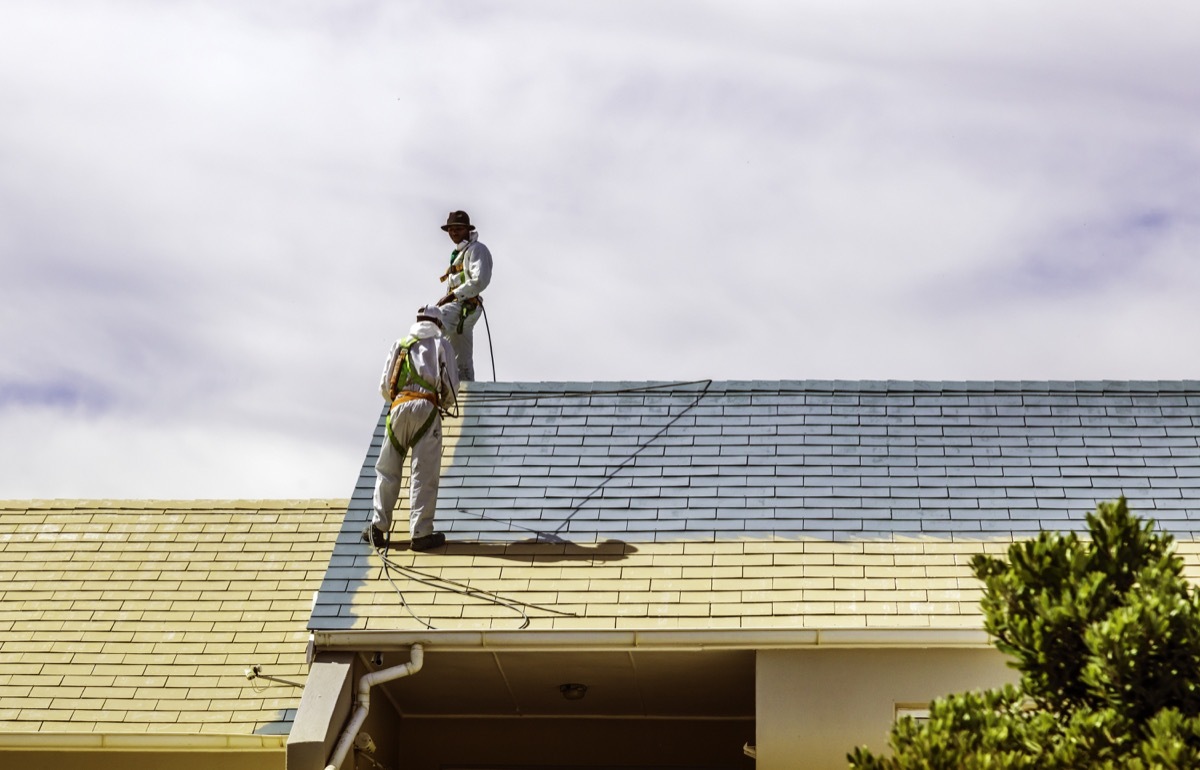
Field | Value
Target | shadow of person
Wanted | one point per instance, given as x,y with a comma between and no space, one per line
536,550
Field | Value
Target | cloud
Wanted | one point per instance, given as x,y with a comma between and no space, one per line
61,394
215,217
77,453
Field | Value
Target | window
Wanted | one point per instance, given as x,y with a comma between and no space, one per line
918,711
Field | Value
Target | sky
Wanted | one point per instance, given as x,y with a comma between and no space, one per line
215,217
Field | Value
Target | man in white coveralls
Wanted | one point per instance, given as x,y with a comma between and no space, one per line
419,379
469,274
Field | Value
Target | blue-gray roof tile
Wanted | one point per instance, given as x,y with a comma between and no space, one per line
708,461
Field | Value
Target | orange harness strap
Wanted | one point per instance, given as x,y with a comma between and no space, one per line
412,395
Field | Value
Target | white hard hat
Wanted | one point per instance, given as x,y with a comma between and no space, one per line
431,313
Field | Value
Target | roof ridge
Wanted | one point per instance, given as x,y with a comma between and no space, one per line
891,385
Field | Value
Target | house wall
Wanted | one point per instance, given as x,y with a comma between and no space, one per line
444,744
324,710
814,706
324,716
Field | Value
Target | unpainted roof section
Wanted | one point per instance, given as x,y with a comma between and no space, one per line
764,504
142,616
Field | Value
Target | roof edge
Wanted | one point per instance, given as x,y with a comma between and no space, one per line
662,640
100,504
73,741
616,387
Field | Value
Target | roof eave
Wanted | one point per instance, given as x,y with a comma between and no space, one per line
654,639
81,741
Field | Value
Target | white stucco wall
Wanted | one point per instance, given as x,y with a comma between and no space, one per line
814,706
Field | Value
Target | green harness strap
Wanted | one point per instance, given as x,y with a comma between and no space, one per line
409,372
469,306
420,434
466,306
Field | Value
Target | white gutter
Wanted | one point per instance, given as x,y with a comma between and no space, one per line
416,658
659,640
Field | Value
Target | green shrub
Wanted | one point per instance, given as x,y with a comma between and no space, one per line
1106,634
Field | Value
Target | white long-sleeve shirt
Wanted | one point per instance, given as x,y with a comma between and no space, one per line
432,358
476,263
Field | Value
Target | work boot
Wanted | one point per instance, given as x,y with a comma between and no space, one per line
375,537
428,542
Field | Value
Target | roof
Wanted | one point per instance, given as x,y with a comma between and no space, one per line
810,505
128,617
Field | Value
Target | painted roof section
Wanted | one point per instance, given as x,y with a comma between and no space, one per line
126,617
807,504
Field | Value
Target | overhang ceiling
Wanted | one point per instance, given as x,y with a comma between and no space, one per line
699,684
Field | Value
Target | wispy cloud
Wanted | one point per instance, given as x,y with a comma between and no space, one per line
215,217
65,396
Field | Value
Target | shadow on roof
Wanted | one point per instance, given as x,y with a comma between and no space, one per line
536,551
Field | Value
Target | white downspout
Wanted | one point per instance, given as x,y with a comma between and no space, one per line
416,658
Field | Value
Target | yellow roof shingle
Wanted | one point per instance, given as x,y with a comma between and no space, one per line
801,584
143,616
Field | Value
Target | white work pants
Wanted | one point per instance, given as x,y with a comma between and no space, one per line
426,469
464,343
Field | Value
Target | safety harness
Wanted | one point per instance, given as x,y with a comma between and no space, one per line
404,374
468,305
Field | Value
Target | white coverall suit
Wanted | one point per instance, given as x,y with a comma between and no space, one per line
433,360
469,274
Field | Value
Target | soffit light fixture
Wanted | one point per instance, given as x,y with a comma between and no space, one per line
573,691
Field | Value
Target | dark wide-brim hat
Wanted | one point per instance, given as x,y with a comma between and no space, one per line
458,218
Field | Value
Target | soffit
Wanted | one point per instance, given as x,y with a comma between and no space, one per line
710,684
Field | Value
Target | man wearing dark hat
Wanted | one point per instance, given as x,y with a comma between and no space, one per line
419,380
469,274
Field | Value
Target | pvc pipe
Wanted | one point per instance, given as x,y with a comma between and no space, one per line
416,658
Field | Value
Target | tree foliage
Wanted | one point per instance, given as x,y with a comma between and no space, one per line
1106,634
